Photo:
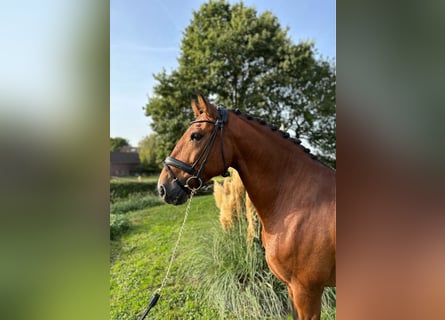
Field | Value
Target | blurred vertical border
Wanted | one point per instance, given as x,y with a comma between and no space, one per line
54,136
54,130
390,160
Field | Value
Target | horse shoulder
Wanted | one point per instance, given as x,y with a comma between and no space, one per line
299,247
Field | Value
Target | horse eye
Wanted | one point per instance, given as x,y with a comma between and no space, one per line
196,136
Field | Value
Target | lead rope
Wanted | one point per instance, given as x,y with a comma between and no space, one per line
157,294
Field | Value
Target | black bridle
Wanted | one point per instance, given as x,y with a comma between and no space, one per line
195,174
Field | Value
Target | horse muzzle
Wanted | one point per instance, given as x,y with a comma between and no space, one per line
172,193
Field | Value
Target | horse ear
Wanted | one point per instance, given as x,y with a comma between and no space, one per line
205,106
196,109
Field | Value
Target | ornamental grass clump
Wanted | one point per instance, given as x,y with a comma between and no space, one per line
234,204
237,280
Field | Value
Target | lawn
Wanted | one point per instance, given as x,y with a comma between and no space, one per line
140,257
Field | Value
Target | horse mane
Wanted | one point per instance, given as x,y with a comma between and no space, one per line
284,134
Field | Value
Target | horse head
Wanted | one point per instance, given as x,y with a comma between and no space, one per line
200,154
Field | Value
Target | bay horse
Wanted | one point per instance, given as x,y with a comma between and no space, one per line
293,193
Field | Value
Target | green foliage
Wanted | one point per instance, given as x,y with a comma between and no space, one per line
120,190
245,60
147,153
135,202
117,143
118,225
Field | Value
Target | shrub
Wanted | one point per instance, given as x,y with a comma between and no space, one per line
135,202
119,224
120,190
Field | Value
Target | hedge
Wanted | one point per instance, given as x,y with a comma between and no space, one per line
123,189
119,190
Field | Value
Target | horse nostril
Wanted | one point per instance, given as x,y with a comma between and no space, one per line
161,190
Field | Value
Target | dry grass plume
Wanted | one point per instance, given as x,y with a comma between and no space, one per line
233,202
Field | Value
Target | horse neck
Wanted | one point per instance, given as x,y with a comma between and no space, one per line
271,167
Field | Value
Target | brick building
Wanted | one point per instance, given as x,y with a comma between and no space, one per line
123,163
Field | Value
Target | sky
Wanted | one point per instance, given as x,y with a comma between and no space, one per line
145,37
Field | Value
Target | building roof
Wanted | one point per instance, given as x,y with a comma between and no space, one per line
124,157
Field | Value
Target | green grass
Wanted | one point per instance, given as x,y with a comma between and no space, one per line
139,259
329,303
119,224
236,279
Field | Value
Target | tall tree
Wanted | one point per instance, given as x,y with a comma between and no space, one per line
117,143
245,60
